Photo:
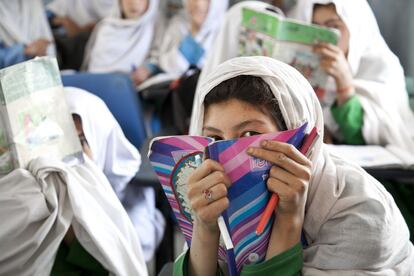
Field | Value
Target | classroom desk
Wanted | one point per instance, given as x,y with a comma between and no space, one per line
407,176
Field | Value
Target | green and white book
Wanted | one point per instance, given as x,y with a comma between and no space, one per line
35,120
266,33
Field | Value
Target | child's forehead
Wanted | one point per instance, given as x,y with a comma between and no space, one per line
233,111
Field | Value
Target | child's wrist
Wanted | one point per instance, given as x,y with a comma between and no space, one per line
206,233
289,226
343,94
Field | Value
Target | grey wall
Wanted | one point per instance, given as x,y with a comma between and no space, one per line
396,21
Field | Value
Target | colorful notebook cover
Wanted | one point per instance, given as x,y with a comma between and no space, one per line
173,159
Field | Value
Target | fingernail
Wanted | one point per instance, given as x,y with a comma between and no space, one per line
250,151
264,143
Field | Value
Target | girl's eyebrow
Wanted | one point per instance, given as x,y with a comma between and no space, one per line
236,127
246,123
212,129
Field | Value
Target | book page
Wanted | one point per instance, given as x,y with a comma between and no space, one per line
368,156
6,164
268,34
404,156
39,120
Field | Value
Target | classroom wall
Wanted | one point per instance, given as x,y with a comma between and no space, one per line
396,21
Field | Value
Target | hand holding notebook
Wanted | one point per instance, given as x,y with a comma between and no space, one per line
173,159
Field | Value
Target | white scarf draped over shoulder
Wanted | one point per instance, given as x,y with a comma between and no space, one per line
352,224
82,12
119,160
37,207
170,59
378,75
118,44
112,152
24,21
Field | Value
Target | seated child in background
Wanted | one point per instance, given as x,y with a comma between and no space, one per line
73,22
105,143
78,16
371,105
24,32
368,77
187,39
123,40
350,223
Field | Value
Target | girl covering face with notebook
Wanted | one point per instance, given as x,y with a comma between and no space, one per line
350,223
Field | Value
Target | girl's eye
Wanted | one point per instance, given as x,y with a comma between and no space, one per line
215,137
249,133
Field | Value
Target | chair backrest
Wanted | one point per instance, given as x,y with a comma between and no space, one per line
119,94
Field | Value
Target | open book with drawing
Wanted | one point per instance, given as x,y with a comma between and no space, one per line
35,120
266,33
174,158
375,157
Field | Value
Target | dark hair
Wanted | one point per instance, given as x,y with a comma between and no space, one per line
249,89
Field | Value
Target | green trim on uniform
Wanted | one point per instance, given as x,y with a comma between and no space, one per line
74,260
350,118
287,263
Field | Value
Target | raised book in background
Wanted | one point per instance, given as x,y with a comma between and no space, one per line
35,120
375,157
266,33
175,158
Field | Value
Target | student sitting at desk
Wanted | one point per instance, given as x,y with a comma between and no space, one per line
351,224
24,32
78,16
187,39
102,138
72,22
368,77
123,40
371,106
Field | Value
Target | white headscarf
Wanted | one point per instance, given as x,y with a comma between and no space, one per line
170,59
352,224
377,72
24,21
119,44
38,205
112,152
119,160
82,12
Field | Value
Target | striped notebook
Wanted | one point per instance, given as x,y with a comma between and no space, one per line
174,158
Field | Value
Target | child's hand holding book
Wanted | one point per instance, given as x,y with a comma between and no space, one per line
288,178
207,193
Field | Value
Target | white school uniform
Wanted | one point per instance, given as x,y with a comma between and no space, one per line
23,21
170,59
40,203
118,44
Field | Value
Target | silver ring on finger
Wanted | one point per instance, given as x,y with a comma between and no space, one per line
208,195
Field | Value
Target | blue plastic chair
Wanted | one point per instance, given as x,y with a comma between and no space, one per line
119,94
